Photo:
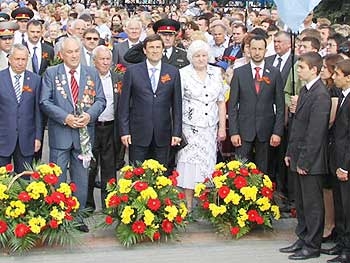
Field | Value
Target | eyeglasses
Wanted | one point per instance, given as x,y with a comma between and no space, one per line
92,38
6,37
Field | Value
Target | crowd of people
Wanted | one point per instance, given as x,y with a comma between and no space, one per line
188,85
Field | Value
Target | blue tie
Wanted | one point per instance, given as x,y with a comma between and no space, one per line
235,50
35,61
153,79
17,87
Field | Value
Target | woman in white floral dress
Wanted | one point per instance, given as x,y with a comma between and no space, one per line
203,120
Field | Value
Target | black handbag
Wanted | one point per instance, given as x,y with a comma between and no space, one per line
182,144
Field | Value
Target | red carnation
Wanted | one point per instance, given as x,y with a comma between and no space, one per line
178,219
252,215
73,187
48,199
114,201
231,174
21,230
175,173
234,230
259,220
167,201
109,220
217,173
167,226
128,175
206,205
255,171
156,236
50,179
153,204
53,224
240,182
124,198
70,202
24,197
206,180
3,226
52,165
173,180
244,171
267,192
112,181
139,171
203,196
68,217
57,197
223,191
140,186
35,175
9,168
138,227
181,195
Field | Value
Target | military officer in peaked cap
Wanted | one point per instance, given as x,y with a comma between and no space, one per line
7,30
4,17
167,29
22,15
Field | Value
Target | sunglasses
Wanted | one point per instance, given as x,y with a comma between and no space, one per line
6,37
92,38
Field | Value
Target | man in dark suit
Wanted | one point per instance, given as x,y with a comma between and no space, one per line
239,31
133,28
90,42
256,106
41,53
340,164
307,156
107,140
282,60
64,87
150,108
21,125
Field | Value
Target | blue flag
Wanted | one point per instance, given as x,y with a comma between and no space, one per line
293,13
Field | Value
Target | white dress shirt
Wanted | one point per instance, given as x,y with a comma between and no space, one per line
108,113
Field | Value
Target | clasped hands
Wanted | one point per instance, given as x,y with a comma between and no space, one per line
76,122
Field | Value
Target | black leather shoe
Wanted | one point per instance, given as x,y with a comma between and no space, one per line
293,248
337,259
343,258
336,250
304,254
330,237
83,228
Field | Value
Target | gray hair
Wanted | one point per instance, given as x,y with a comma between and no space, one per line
133,20
18,46
100,49
196,46
64,40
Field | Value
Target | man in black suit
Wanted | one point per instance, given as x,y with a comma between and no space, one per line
239,31
307,155
282,60
340,164
150,106
256,106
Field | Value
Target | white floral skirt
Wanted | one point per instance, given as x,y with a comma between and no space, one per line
197,160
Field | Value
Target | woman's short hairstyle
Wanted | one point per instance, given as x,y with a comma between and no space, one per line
196,46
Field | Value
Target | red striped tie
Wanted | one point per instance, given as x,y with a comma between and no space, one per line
74,86
257,80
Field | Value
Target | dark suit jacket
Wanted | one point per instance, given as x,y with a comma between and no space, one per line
340,138
307,146
252,115
47,55
286,68
228,51
19,121
119,50
144,114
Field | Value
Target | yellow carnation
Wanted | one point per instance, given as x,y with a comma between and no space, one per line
232,197
249,193
217,210
57,215
264,204
65,189
36,224
148,217
126,168
153,165
219,181
124,185
251,165
267,182
234,165
183,210
35,189
148,193
172,212
126,215
3,196
163,181
276,212
219,166
198,189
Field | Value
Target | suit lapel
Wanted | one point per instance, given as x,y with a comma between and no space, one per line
250,77
11,89
304,96
344,103
144,75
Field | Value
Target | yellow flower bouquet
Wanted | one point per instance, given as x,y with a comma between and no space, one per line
144,204
236,198
37,210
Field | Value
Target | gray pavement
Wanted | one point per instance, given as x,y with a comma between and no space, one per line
197,243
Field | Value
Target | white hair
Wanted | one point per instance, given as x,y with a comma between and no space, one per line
196,46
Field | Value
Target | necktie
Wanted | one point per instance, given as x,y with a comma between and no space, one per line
257,79
23,40
74,86
17,87
340,101
235,50
35,61
279,63
153,79
165,54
